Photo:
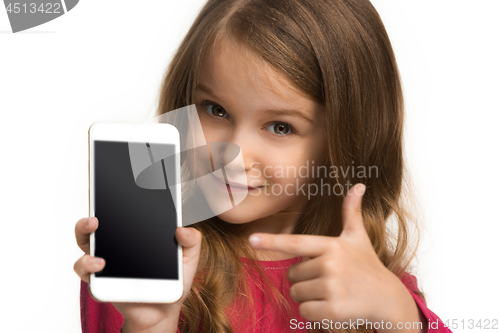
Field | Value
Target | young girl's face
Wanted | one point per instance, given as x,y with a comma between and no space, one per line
241,99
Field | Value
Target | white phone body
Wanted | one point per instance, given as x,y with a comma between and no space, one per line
122,283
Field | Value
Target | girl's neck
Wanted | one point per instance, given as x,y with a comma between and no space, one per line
271,227
282,223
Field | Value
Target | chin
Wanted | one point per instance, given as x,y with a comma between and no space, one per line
238,216
247,212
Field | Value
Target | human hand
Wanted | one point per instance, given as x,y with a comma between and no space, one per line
142,317
344,280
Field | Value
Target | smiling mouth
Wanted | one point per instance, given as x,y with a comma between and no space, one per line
236,186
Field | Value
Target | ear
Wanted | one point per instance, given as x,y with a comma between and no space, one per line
352,218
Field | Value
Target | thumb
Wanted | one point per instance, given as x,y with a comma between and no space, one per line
352,219
190,239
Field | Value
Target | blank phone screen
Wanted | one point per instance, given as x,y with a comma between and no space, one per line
136,232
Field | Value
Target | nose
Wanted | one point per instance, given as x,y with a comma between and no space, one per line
228,156
240,142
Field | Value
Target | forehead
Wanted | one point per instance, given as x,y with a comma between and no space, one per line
230,66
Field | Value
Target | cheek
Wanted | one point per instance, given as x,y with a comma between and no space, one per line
211,134
290,167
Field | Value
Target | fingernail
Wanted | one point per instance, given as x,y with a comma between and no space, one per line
254,240
98,261
187,232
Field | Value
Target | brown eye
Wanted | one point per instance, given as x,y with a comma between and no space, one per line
217,110
281,128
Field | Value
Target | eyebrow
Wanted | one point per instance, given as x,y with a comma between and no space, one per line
289,112
206,89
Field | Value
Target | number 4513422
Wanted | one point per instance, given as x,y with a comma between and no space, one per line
485,324
47,8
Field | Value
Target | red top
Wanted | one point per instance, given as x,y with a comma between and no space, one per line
104,318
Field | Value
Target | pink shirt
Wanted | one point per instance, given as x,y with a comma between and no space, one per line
104,318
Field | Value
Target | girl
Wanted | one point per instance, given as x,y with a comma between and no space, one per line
294,83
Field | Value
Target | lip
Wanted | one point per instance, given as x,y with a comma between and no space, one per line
234,186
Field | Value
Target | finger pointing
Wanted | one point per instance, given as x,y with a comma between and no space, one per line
299,245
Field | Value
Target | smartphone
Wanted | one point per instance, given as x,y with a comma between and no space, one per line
135,193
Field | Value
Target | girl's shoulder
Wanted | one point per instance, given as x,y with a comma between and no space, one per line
410,281
435,324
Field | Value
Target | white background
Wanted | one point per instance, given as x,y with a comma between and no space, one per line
104,60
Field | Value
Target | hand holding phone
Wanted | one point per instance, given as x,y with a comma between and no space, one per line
139,316
135,193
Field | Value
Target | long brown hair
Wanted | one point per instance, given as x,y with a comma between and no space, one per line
339,54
